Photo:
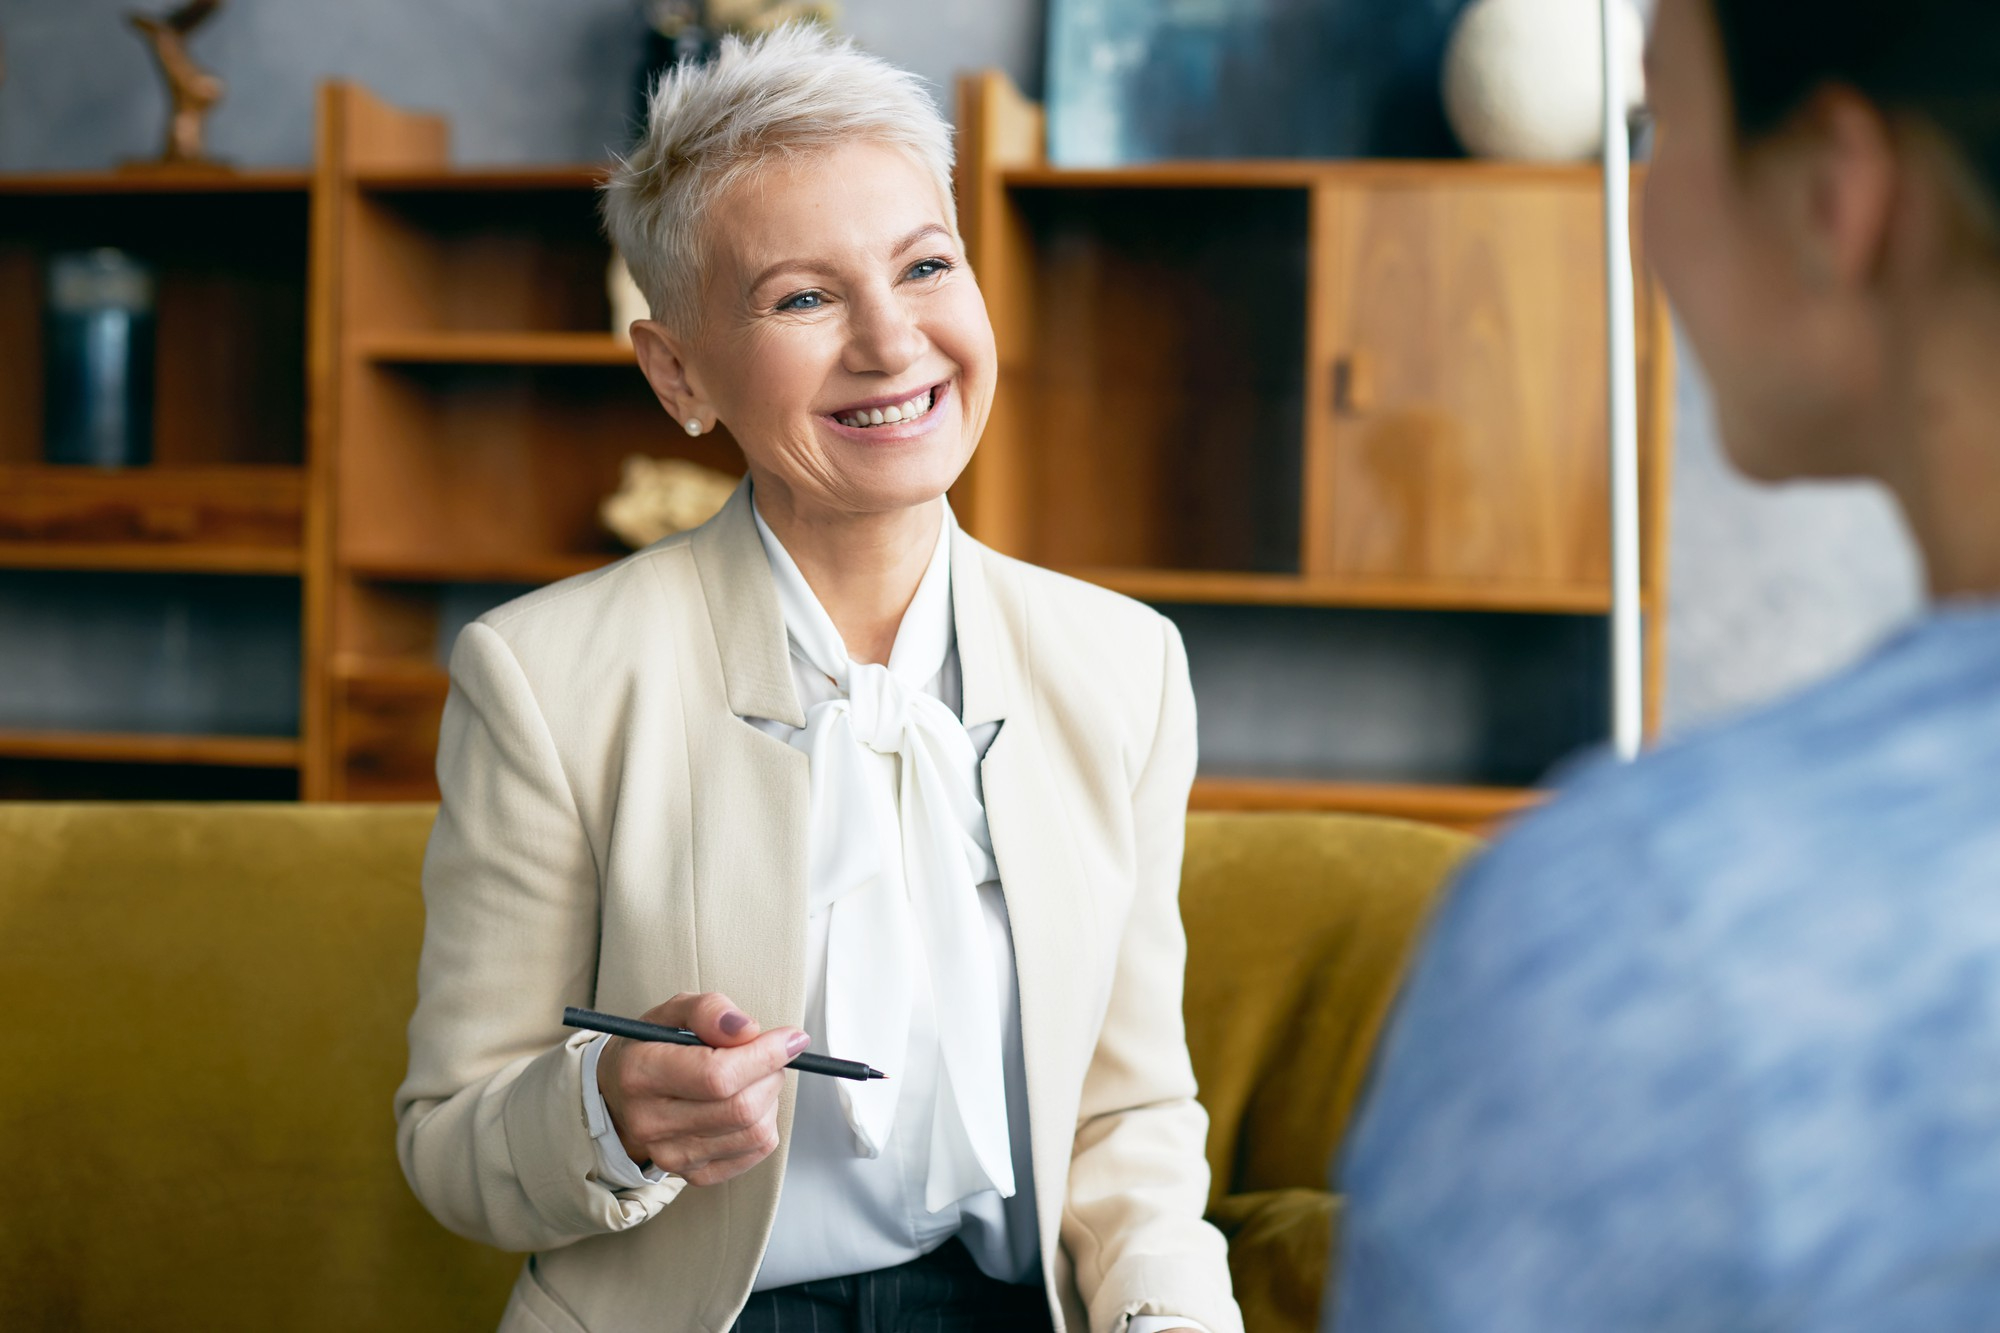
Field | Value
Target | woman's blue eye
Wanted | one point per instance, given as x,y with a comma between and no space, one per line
929,268
803,301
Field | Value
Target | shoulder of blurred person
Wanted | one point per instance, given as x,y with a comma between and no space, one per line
1715,1037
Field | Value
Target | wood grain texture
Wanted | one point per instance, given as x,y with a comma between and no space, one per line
213,518
1482,455
502,348
1199,586
387,729
998,130
1155,396
148,748
1292,173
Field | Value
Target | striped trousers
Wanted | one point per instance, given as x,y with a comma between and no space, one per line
943,1292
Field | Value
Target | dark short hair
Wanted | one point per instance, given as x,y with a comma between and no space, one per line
1939,59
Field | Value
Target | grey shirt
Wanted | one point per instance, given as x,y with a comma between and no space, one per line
1713,1042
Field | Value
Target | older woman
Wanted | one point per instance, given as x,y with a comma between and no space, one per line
825,765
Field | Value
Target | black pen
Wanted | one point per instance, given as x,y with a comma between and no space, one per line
592,1021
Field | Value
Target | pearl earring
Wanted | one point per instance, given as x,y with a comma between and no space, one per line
693,425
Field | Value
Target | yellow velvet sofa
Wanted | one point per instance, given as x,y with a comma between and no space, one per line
201,1023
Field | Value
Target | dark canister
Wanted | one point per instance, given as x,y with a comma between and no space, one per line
99,404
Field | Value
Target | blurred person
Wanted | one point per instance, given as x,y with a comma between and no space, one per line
1713,1042
824,765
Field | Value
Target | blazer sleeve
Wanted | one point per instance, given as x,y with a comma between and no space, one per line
1132,1218
491,1126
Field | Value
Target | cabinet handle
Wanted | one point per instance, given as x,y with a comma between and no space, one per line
1353,384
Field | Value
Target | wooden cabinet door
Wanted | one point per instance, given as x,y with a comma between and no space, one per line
1456,416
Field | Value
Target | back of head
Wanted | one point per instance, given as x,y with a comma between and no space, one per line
1934,60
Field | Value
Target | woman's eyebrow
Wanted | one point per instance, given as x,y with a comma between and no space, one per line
928,229
815,266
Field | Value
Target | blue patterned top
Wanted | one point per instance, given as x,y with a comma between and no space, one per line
1713,1042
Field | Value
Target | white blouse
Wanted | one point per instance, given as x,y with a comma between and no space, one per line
882,1173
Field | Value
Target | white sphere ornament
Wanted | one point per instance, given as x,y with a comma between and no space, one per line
1524,79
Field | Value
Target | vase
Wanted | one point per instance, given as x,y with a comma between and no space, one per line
98,402
1524,79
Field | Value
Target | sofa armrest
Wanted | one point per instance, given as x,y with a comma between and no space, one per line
1280,1244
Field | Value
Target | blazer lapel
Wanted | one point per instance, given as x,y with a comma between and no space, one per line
748,795
1039,871
743,607
749,790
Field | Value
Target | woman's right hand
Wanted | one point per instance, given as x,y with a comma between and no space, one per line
705,1114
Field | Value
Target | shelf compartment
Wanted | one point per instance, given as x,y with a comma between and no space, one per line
1400,698
466,261
151,748
495,473
246,519
385,740
498,348
1150,407
149,653
230,321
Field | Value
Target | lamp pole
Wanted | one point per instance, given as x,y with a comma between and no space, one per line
1627,629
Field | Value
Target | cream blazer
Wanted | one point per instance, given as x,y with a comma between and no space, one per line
613,832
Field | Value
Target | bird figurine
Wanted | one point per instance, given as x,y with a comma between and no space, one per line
194,90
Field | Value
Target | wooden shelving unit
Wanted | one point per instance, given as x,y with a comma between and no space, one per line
1327,402
225,498
1330,401
479,411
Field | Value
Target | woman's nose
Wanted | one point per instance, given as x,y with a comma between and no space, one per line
884,336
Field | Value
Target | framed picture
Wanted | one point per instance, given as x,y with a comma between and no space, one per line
1146,80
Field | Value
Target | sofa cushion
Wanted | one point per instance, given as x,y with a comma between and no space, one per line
204,1025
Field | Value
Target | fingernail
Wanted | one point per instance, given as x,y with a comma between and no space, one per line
733,1023
798,1042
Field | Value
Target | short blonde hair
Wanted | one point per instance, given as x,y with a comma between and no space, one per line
787,93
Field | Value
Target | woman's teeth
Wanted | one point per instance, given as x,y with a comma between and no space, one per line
884,416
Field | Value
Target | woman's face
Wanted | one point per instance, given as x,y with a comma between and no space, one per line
1747,256
843,342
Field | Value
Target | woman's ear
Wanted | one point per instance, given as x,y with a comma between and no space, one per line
663,360
1843,189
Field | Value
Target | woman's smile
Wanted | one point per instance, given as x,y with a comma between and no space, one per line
892,419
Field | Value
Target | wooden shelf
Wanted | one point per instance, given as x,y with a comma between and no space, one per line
1474,809
255,180
416,675
241,520
1202,586
498,349
525,569
141,558
1294,173
510,180
148,748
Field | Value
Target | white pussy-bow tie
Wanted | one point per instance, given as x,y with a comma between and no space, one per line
903,901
